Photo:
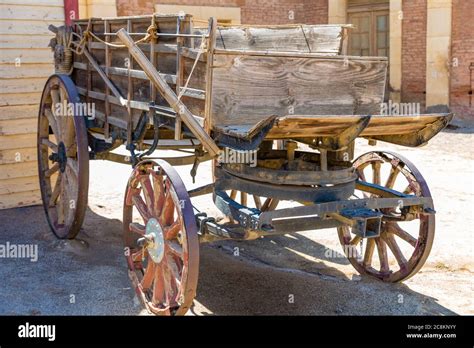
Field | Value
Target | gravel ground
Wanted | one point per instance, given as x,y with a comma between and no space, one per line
277,275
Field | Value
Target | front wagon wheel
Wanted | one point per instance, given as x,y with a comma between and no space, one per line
161,239
63,157
403,246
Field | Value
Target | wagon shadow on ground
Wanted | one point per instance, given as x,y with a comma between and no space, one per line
92,270
286,275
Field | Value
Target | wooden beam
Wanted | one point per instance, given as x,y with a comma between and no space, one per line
209,71
169,94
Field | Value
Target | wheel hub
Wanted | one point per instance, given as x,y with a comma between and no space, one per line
60,157
156,248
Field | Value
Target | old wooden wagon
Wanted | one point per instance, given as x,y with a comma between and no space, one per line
287,94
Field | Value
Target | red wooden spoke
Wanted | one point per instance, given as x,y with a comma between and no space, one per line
170,274
171,232
147,190
137,228
383,256
130,193
159,194
395,228
167,214
159,294
149,275
395,249
137,255
141,207
174,248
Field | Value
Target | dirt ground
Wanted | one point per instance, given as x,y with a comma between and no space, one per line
278,275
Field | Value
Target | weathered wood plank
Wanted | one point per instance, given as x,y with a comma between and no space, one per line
300,38
17,155
247,89
18,28
20,199
20,12
137,74
26,56
327,39
15,185
17,85
34,41
298,126
17,141
19,126
19,99
18,170
18,112
26,71
36,3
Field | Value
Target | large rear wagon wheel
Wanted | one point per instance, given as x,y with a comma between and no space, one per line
403,246
63,157
161,240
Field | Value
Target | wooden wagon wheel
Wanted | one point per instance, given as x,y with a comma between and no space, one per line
403,246
161,242
63,157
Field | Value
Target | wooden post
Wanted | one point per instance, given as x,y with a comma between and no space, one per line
108,61
129,92
186,116
179,75
210,61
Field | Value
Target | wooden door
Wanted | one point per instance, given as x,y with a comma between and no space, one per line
370,37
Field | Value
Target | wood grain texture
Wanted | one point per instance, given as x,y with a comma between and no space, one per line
17,155
26,56
247,88
18,85
36,27
28,13
298,126
325,39
18,170
20,199
8,99
20,126
18,112
26,62
9,186
26,71
34,41
17,141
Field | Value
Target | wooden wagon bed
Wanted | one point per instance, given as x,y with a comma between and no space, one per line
289,82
